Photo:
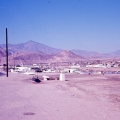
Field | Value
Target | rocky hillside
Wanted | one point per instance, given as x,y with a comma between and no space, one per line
28,57
66,55
2,52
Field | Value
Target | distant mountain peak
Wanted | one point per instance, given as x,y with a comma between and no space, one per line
30,41
32,46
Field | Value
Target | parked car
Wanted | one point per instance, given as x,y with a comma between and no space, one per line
36,69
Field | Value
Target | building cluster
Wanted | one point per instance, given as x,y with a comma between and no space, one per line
80,67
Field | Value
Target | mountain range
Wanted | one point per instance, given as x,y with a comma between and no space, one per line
31,46
34,52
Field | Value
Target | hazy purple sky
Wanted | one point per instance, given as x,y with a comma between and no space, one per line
92,25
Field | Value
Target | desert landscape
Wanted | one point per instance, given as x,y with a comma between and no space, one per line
60,60
58,84
79,97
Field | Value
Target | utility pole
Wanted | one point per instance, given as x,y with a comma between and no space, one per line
6,52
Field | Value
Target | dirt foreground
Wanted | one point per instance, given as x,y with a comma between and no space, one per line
80,97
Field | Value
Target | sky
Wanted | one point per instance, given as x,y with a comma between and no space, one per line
91,25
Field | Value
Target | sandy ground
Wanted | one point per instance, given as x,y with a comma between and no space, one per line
80,97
